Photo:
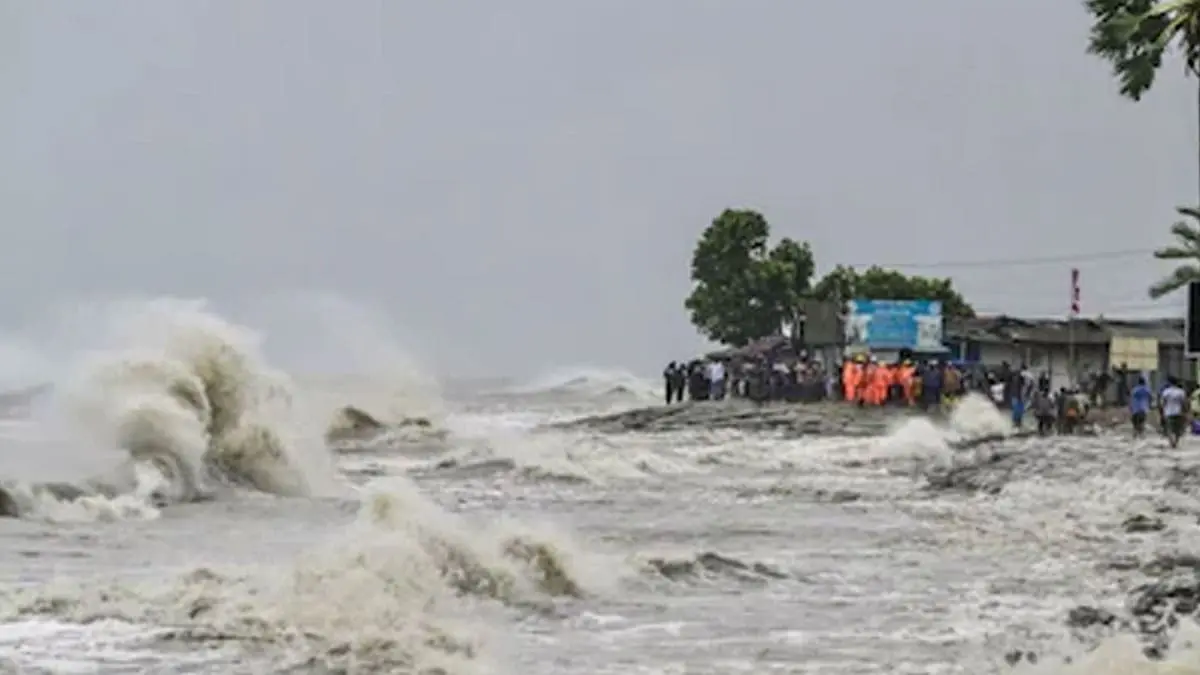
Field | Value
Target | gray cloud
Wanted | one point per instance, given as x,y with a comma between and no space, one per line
519,184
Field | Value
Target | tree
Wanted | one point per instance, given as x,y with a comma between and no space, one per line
876,283
1134,36
741,289
790,270
838,286
1187,247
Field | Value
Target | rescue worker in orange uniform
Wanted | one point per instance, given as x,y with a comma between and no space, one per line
861,379
908,376
883,385
849,380
866,390
881,380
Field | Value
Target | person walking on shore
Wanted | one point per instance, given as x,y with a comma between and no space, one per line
1174,409
1140,400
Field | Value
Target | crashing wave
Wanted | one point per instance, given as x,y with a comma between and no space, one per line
193,412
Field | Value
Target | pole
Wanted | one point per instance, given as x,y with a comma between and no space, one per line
1071,327
1071,351
1195,362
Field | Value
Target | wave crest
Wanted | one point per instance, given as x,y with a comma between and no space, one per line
186,397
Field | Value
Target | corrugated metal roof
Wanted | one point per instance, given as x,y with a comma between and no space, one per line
1168,331
1061,332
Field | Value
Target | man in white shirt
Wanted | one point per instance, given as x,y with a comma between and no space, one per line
1174,402
716,381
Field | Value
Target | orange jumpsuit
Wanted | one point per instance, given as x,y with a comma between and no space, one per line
908,383
881,380
850,378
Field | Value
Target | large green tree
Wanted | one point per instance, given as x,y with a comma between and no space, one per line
741,288
1186,248
877,283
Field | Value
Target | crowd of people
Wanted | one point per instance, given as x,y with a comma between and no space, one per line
861,379
714,380
867,381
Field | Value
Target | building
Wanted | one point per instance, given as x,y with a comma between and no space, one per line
1155,346
1152,345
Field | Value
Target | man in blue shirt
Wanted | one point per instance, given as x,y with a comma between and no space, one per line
1140,400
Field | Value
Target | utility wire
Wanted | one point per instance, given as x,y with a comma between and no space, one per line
1016,262
1101,308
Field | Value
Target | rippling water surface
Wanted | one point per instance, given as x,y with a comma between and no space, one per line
499,548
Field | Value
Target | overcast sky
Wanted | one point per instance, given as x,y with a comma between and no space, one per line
519,184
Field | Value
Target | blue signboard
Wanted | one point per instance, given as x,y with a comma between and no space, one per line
895,324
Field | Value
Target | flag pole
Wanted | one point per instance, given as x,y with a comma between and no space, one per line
1074,312
1071,350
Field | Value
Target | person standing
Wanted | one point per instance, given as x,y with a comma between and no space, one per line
1140,399
679,379
716,381
1174,409
932,381
1016,403
1043,409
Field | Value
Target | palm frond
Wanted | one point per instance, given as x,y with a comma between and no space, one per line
1182,276
1187,233
1176,253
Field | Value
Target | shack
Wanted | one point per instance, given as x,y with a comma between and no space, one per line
1152,346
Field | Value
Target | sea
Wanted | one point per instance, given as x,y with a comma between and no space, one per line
177,506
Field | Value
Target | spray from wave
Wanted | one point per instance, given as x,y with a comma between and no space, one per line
348,364
182,402
176,404
973,419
